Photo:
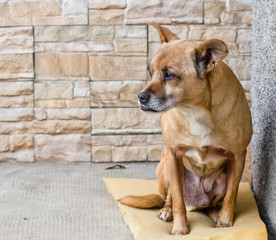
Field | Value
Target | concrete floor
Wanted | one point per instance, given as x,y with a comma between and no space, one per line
62,201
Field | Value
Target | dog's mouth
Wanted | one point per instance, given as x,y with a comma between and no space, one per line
156,105
147,109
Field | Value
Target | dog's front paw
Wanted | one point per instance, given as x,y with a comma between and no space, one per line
180,230
226,219
165,214
224,223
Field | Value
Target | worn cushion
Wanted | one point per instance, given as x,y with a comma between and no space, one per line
145,225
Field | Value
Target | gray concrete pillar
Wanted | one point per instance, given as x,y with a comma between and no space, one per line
263,93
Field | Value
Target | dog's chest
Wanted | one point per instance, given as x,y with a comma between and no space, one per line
199,121
196,139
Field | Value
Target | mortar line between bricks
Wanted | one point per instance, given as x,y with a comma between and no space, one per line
34,147
147,49
203,12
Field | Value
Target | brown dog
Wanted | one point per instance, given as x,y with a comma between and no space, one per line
206,129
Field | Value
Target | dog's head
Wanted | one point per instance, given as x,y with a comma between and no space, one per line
178,71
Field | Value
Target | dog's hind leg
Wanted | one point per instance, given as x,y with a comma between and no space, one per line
165,213
213,213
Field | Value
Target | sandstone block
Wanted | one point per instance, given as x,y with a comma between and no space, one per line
118,148
75,9
68,13
241,66
100,33
50,103
179,11
153,49
180,30
121,154
236,5
202,33
16,40
32,9
16,88
16,66
40,114
9,128
81,90
61,64
212,11
143,8
116,93
53,91
25,155
71,148
227,17
104,17
61,20
69,114
230,18
101,154
104,4
78,103
21,142
248,97
232,48
4,143
73,47
183,11
130,31
131,45
73,33
243,18
4,10
74,103
244,40
154,152
155,146
59,33
246,85
60,127
148,20
155,139
15,21
118,68
17,102
16,114
124,120
211,20
247,173
119,140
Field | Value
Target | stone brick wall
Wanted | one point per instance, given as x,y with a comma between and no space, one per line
70,72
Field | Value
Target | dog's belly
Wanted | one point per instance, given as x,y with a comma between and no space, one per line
201,193
204,175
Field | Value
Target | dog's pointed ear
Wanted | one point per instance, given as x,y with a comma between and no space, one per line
165,34
207,54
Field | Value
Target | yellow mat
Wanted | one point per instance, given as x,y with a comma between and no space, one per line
145,225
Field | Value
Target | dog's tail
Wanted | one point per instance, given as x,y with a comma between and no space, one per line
147,201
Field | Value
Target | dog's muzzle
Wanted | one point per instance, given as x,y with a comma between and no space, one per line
151,103
144,99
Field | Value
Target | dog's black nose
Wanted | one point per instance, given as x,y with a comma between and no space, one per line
143,97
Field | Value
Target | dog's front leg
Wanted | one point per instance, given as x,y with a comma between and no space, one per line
175,171
235,169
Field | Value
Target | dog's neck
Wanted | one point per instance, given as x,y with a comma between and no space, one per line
218,83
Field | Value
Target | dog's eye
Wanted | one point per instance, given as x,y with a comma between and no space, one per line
168,76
